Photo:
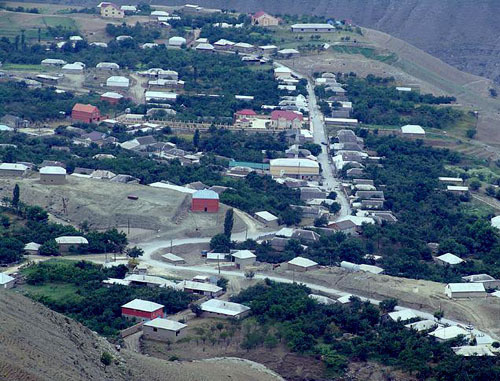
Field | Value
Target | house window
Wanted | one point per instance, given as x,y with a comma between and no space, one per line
155,329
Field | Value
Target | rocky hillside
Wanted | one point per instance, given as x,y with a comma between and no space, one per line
37,344
462,33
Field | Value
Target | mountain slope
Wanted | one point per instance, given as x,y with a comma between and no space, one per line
38,344
463,33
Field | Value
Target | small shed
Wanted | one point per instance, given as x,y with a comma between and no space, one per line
221,308
243,258
117,81
465,290
6,281
32,248
205,200
164,330
52,175
142,310
302,264
448,259
267,218
176,41
107,66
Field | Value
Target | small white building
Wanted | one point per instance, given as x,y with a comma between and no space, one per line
117,81
221,308
176,41
6,281
313,28
207,289
413,130
74,68
216,257
449,259
163,330
302,264
465,290
205,47
107,66
67,242
288,52
457,189
13,170
172,258
32,248
243,258
52,175
322,299
267,218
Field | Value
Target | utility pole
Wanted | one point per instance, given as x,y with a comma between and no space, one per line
171,245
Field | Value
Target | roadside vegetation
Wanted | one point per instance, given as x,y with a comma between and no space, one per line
339,334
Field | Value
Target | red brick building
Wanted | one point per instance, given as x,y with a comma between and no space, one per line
85,113
142,310
205,200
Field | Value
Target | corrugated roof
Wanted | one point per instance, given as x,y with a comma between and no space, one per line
52,170
296,162
243,254
224,308
266,216
412,129
402,315
143,305
447,333
206,194
72,240
302,262
466,287
449,258
169,325
13,167
198,286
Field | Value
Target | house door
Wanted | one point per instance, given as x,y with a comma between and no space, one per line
206,209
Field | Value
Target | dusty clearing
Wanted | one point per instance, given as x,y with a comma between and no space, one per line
157,212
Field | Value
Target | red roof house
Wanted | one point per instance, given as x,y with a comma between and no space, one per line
85,113
286,119
142,310
205,200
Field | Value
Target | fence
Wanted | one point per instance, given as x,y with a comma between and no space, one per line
131,330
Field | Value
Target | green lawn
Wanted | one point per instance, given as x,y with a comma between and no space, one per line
369,53
11,66
54,291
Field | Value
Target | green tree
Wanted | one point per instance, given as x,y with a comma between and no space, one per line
15,196
196,138
228,223
134,252
106,358
475,184
321,221
49,247
388,305
220,243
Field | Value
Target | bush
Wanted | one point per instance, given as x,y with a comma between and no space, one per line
106,358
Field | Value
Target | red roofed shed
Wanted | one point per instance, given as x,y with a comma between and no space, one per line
85,113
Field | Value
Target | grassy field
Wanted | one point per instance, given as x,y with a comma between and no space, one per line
13,23
54,291
366,52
